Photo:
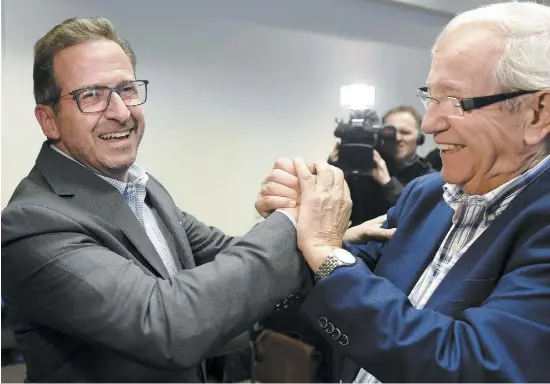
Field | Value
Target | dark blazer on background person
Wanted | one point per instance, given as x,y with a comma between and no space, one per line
91,299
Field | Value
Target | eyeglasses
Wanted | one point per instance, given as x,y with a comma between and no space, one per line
454,106
97,98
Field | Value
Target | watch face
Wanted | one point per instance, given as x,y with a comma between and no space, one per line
344,256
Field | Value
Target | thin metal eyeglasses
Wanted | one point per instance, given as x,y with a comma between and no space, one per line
97,98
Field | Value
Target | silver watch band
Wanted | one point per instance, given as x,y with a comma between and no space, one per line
334,259
329,265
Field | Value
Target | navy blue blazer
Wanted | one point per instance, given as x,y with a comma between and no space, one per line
489,319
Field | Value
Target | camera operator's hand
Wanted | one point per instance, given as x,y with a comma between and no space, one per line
280,189
380,171
333,157
369,230
325,211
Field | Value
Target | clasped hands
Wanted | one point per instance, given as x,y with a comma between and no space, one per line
318,197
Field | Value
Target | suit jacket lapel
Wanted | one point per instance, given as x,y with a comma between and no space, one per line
423,246
479,247
88,191
166,210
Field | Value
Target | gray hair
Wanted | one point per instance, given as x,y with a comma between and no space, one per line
525,27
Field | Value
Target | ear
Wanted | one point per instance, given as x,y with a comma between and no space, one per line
47,118
539,127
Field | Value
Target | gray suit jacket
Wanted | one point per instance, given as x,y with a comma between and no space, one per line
91,298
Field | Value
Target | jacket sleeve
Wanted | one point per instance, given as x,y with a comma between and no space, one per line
393,190
56,273
205,241
395,342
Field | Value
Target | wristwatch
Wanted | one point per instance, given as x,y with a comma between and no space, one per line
337,258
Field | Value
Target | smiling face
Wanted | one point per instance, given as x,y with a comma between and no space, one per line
88,137
407,132
490,147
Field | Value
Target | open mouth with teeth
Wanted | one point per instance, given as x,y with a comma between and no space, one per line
449,148
116,136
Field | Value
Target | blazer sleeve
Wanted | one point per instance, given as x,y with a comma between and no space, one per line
61,277
395,342
205,241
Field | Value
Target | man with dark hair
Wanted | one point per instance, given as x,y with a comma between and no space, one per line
105,278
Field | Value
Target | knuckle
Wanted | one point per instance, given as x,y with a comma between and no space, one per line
317,198
268,177
282,163
278,174
274,176
269,203
337,171
266,188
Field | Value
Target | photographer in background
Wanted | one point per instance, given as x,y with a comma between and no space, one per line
407,164
434,158
395,164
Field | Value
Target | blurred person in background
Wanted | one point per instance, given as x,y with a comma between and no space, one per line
434,158
394,168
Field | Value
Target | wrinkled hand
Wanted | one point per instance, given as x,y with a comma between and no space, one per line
380,172
325,211
369,230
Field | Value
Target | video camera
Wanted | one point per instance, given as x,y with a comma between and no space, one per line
362,133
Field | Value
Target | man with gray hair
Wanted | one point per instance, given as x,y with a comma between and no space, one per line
461,292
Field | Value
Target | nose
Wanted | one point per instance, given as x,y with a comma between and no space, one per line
433,122
117,110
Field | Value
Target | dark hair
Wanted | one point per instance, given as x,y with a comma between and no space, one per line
404,108
71,32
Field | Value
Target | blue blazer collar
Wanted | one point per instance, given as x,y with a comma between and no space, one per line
478,249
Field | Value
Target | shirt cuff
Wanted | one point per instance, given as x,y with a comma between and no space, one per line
290,217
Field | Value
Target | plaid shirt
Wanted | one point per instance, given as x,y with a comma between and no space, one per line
473,215
134,193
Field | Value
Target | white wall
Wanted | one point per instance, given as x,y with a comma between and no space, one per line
234,85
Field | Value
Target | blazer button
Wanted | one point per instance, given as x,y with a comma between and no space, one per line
181,223
330,328
343,340
323,322
336,334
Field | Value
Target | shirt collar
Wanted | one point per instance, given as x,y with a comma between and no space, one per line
137,176
453,195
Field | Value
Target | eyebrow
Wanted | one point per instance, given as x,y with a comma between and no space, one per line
451,88
123,82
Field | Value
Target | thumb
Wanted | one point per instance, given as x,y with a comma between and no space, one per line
306,178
